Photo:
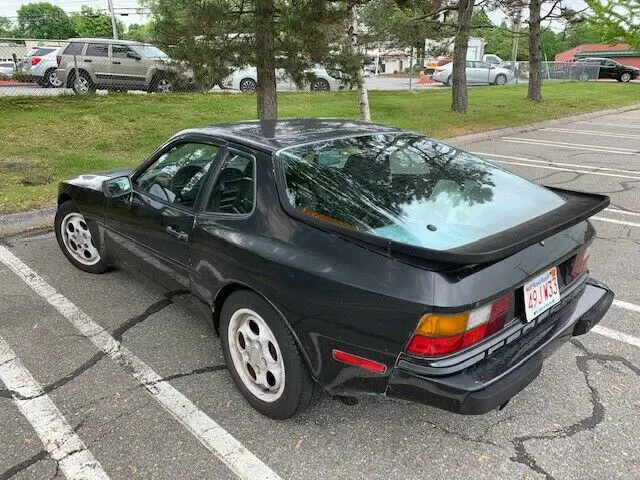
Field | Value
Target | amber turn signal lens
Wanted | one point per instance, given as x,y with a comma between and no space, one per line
438,325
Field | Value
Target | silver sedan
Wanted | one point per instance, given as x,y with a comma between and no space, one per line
478,73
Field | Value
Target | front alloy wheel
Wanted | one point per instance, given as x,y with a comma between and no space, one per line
164,86
76,240
625,77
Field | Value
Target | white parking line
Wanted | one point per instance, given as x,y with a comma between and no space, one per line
593,133
604,124
550,166
59,440
215,438
572,146
613,220
622,212
616,335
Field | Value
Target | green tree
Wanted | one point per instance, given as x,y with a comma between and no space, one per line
6,29
91,23
215,36
616,21
44,20
140,33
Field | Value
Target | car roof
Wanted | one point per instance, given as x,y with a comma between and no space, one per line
105,40
276,134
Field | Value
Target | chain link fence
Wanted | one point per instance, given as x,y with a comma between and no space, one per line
82,66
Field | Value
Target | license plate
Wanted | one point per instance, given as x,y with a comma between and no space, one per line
541,293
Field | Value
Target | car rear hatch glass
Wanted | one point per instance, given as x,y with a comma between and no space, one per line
413,196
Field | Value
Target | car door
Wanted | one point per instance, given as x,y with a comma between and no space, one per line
609,69
227,226
483,70
150,230
97,62
473,76
127,68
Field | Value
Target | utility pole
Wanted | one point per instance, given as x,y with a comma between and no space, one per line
114,25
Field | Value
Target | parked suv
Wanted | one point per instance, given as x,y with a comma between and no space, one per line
39,66
586,68
118,65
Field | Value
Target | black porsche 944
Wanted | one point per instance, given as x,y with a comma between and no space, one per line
347,257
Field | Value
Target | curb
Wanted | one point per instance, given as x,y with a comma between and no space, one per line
13,223
529,127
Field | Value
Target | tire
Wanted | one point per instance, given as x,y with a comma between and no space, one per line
448,82
83,84
160,83
583,77
72,229
248,85
320,85
288,389
51,78
501,79
625,77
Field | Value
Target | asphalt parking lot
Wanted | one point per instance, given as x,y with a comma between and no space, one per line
118,379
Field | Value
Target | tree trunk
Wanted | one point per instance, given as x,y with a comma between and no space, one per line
363,94
535,52
266,60
460,45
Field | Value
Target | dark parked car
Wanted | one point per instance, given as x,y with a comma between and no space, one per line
349,257
589,68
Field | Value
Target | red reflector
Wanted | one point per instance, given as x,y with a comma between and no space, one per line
35,60
360,362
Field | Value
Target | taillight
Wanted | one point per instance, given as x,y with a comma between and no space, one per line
441,334
58,59
579,264
35,60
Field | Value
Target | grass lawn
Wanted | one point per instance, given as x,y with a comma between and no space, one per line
58,137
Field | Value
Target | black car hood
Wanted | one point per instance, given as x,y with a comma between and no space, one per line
578,207
93,181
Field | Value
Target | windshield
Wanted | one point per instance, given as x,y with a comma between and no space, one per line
407,188
149,51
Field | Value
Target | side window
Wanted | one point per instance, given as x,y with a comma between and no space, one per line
177,176
482,65
233,191
120,51
74,48
97,50
470,64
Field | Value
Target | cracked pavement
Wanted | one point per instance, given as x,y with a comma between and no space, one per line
578,420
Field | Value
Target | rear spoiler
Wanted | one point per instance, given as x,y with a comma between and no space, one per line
578,207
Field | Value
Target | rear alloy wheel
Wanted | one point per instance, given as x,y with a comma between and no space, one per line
448,82
76,240
263,358
51,78
248,85
501,79
625,77
584,76
320,85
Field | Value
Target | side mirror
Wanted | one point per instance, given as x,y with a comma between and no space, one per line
117,187
135,56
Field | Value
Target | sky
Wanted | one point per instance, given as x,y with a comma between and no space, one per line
9,8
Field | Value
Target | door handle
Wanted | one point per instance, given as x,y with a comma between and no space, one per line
117,63
177,233
87,60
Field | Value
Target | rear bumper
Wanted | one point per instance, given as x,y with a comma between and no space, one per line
504,369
